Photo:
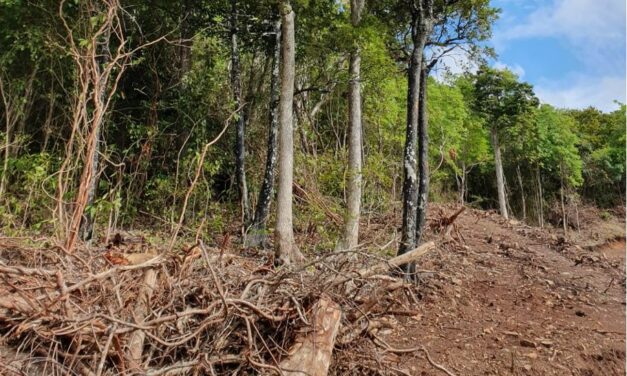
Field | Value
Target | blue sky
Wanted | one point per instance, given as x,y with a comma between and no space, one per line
572,51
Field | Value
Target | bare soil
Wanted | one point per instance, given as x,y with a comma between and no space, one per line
496,297
503,298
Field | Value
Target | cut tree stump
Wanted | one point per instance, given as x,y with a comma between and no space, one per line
311,353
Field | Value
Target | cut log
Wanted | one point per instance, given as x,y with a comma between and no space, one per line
136,341
311,354
381,267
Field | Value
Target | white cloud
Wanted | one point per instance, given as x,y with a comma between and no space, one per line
594,28
583,92
515,68
574,19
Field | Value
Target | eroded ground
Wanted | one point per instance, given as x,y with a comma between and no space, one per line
503,298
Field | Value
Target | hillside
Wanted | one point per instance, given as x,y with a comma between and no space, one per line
494,297
509,299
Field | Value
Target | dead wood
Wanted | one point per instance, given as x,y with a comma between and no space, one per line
311,353
136,342
393,263
196,310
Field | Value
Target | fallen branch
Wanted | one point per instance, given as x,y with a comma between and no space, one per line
395,262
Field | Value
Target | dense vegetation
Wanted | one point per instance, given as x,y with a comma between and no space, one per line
109,110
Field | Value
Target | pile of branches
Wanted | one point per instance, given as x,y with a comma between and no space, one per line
200,310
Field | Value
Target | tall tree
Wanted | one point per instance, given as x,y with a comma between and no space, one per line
501,98
285,247
256,234
240,148
460,26
350,236
422,21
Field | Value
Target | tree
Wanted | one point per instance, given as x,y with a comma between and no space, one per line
422,20
285,248
500,98
240,148
559,151
351,222
460,25
256,235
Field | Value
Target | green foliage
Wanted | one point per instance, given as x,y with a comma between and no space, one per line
176,96
501,98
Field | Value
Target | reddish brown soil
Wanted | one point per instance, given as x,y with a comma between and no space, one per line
502,298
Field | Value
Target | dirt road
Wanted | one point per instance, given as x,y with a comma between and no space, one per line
502,298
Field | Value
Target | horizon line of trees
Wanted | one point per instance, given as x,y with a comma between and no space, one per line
116,113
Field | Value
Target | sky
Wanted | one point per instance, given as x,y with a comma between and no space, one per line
572,51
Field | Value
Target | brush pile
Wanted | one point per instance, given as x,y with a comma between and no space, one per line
201,310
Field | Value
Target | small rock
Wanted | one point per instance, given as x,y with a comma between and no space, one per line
532,355
546,343
527,343
580,313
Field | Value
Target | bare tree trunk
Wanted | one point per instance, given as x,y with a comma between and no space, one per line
256,234
564,219
421,26
236,85
522,192
285,248
462,196
540,198
7,138
185,45
410,192
500,179
350,237
423,155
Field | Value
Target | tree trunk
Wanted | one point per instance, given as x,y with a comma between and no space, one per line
185,45
522,192
462,195
540,198
500,179
410,193
422,25
257,236
350,237
285,247
423,156
87,223
240,151
564,219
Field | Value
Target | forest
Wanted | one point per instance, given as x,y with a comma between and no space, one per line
280,130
